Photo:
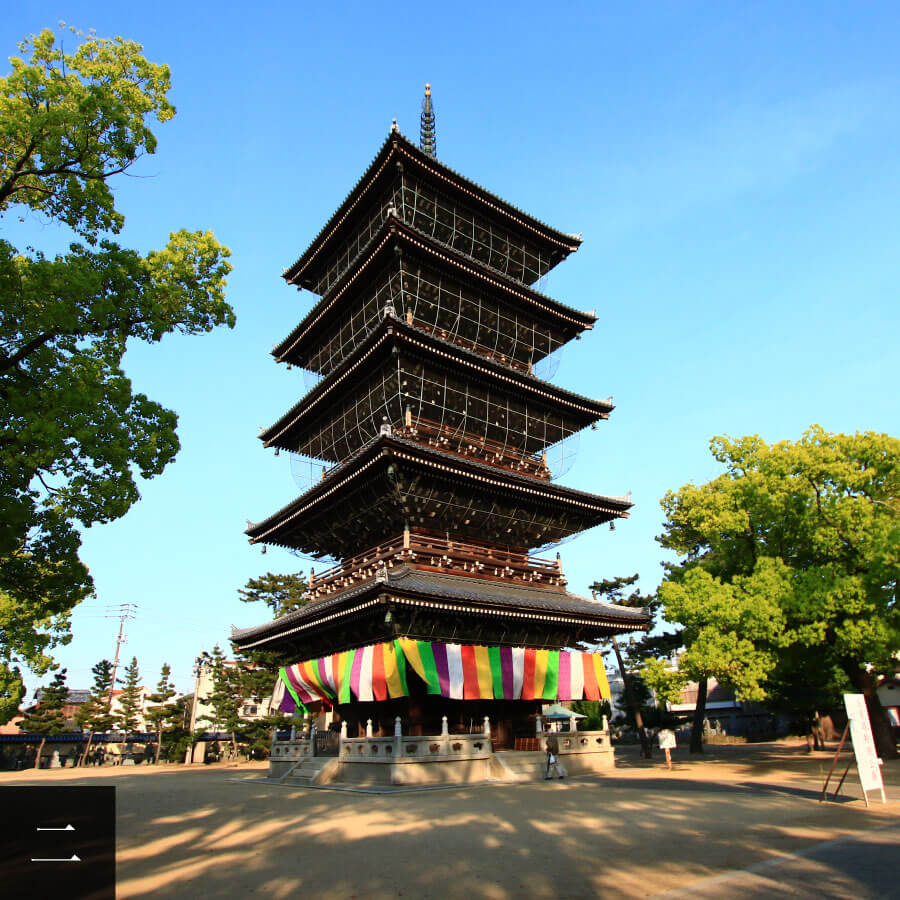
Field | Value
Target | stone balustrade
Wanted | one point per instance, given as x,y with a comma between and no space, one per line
430,759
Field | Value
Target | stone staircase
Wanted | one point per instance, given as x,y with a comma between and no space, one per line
313,770
519,765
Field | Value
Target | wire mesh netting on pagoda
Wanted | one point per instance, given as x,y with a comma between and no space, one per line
443,306
459,226
453,223
440,410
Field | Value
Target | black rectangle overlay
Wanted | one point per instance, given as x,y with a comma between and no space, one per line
58,842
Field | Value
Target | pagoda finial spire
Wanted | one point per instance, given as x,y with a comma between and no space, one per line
427,138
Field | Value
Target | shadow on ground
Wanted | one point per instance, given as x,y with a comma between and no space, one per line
222,833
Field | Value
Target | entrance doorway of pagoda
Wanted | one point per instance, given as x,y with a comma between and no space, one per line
328,742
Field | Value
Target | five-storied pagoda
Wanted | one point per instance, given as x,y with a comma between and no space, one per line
431,432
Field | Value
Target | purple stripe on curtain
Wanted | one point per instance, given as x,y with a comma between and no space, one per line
326,681
442,666
302,692
287,704
355,671
564,682
506,665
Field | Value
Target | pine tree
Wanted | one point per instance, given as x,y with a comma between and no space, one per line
48,718
615,591
129,716
281,593
161,714
94,715
227,696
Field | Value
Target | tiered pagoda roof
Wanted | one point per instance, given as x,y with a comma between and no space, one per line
350,406
430,423
400,157
396,241
393,482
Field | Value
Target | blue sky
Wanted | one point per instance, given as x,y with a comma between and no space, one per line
733,170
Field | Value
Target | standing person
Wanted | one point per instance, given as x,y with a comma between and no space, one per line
667,744
553,757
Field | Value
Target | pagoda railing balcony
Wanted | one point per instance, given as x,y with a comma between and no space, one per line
439,554
495,453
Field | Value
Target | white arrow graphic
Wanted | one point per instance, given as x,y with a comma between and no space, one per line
72,858
67,828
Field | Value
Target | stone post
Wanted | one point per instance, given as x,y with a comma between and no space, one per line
368,728
573,724
293,732
538,725
398,737
486,730
445,737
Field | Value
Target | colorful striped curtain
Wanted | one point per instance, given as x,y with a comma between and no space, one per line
455,671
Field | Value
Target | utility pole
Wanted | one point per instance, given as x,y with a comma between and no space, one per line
126,611
200,664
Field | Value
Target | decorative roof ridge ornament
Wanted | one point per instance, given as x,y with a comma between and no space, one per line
427,135
395,129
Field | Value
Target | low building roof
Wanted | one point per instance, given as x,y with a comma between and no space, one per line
455,593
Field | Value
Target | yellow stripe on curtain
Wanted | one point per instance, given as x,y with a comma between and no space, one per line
483,671
391,671
541,658
602,680
413,657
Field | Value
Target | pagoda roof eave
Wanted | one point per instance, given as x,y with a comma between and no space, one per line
396,144
395,329
454,594
448,463
395,227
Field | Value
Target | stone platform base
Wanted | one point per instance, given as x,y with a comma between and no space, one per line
414,772
437,760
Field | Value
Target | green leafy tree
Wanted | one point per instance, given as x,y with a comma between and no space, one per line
74,434
94,715
163,713
130,715
47,718
801,688
595,710
636,699
794,549
12,688
282,594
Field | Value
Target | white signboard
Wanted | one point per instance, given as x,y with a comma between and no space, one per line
867,760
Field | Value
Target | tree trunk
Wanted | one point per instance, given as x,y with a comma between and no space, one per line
158,745
646,751
87,749
866,684
37,759
699,716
